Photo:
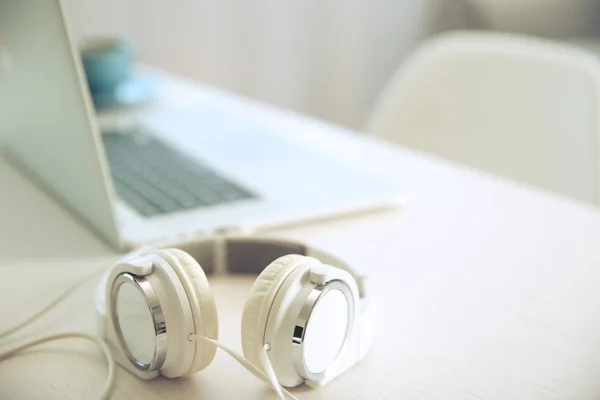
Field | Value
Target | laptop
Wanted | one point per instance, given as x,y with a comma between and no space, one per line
177,173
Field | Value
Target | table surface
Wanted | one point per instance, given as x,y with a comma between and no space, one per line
486,289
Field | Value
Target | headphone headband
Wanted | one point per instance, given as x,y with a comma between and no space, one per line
246,255
250,255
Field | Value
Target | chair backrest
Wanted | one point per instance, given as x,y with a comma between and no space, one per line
515,106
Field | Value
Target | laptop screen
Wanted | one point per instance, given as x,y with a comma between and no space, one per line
47,122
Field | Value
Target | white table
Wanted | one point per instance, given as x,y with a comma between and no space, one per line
487,289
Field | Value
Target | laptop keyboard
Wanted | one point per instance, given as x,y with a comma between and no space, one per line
154,178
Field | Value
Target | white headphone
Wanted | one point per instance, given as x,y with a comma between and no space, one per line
307,311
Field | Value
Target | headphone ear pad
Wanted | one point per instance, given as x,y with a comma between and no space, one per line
202,303
258,305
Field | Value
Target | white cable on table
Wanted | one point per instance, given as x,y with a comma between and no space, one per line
110,380
68,335
50,305
64,295
269,378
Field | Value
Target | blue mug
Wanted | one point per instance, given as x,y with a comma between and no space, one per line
108,64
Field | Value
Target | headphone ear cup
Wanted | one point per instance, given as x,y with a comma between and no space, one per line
258,305
202,304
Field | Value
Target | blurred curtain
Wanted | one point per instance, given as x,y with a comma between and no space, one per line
326,58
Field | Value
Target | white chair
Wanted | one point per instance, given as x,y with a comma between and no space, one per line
515,106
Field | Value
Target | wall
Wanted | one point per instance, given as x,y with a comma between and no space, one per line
551,18
327,58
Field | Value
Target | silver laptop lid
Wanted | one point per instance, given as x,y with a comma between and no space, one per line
47,121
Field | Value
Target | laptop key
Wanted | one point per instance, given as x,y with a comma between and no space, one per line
233,195
206,196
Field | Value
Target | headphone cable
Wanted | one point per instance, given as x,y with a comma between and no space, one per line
110,379
62,296
108,386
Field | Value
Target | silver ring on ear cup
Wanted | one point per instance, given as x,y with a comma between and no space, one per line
303,322
158,318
